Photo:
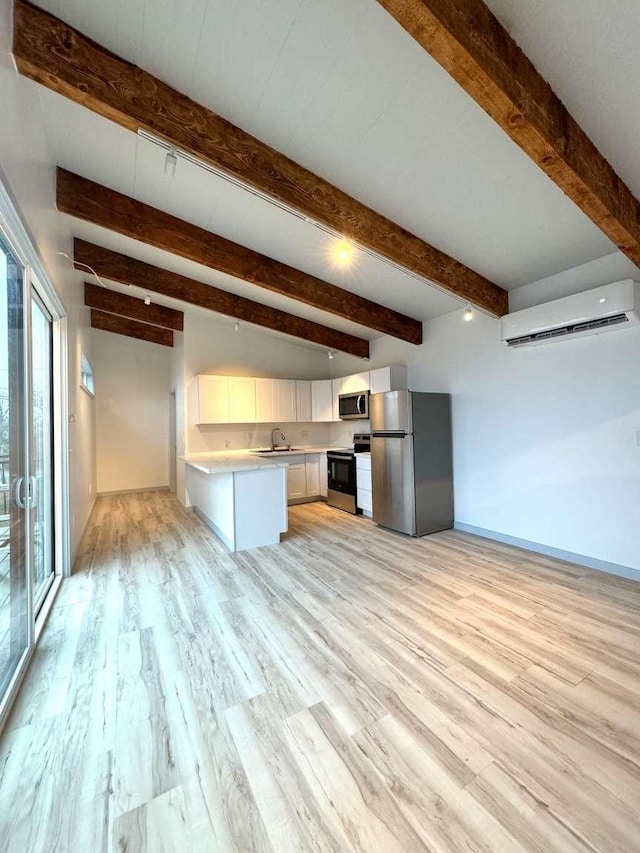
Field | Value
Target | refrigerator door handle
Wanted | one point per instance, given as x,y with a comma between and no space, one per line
389,434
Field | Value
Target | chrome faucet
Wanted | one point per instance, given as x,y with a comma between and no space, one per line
283,437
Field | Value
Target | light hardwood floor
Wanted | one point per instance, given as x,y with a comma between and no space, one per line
350,689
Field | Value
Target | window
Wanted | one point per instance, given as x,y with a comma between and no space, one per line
86,375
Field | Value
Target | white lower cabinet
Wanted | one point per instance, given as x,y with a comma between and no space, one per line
297,480
324,475
312,465
363,484
304,475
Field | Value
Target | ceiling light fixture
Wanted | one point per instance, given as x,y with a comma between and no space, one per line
147,300
86,266
343,253
330,353
170,163
238,182
468,314
236,326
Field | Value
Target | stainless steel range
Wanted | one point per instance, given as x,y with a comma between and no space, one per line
341,474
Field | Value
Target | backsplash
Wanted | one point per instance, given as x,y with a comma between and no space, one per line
209,438
341,433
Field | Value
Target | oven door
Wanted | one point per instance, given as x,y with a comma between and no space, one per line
341,481
352,407
341,473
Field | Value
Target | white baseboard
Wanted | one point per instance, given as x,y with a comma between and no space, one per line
132,491
548,551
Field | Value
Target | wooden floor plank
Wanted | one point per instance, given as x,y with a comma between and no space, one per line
347,690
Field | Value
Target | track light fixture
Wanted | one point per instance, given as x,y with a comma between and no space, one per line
236,326
170,163
468,314
330,353
147,300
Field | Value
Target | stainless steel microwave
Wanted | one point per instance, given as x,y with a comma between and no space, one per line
354,407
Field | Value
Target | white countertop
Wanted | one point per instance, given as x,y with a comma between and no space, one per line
297,451
228,461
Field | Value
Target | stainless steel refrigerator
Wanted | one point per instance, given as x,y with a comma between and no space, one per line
411,461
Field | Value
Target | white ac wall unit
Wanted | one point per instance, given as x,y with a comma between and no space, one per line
614,306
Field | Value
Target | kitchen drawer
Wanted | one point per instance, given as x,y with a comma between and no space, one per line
363,479
363,460
364,499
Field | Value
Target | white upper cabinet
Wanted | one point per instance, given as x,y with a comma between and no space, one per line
213,400
285,397
388,379
245,400
321,400
303,401
242,400
265,401
356,383
336,390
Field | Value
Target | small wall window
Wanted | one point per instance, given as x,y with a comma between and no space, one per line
86,375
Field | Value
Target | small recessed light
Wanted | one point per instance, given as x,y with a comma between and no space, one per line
603,300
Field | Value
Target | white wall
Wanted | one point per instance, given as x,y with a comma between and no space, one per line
28,171
132,412
546,439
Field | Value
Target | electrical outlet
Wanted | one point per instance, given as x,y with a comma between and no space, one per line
227,444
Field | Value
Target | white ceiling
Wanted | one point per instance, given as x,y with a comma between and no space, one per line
342,89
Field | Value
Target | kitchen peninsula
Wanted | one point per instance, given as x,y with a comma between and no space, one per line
240,496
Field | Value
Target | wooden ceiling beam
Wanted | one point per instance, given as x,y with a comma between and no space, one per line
128,306
94,203
57,56
469,42
125,270
130,328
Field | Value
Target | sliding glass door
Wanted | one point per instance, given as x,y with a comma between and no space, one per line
32,460
41,468
14,593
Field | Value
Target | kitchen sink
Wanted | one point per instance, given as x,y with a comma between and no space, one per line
279,450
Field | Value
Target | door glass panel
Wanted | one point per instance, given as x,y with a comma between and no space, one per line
41,481
13,575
